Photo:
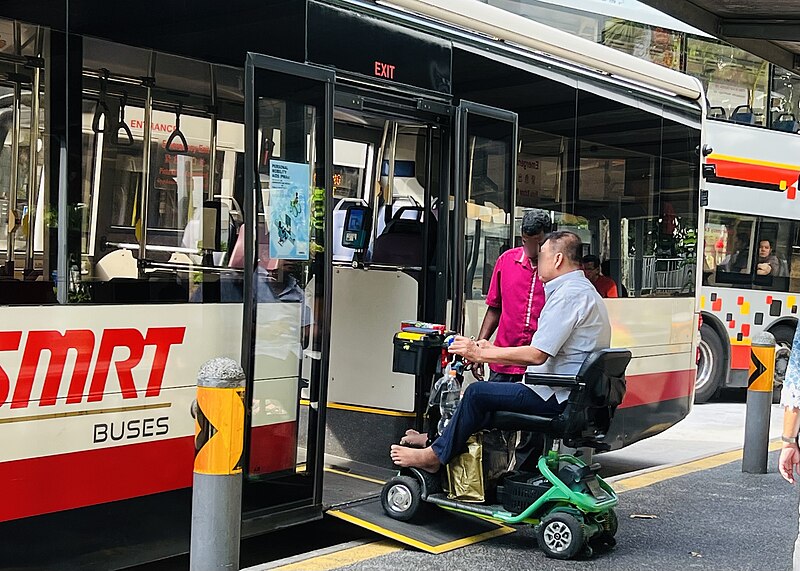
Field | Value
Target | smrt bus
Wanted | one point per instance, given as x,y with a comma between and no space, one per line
750,254
174,181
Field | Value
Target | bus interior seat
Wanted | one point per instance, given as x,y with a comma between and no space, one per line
402,241
743,114
786,122
716,112
116,264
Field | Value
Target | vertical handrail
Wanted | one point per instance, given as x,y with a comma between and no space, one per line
32,163
212,148
148,138
387,211
12,196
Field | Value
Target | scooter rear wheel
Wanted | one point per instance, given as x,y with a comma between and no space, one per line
401,498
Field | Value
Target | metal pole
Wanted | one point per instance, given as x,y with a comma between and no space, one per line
759,404
217,484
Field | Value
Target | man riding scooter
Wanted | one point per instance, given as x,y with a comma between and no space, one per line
573,324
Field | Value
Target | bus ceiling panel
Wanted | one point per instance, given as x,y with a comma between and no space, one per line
207,30
119,59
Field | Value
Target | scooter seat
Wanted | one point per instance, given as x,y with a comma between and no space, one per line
517,421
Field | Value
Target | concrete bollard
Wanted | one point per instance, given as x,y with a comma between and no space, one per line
217,483
759,404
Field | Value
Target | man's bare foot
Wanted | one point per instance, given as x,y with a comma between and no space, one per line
424,458
414,439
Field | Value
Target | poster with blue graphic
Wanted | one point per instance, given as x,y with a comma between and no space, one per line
289,210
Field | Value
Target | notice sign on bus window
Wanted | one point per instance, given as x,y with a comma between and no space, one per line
289,210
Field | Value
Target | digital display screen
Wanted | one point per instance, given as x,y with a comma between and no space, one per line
356,220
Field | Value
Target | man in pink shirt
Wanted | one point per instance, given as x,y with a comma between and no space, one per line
516,294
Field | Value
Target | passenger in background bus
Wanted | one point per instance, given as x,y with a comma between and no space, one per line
768,263
604,285
737,261
574,324
516,295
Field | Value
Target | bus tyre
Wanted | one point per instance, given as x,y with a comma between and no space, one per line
784,334
710,367
560,535
401,498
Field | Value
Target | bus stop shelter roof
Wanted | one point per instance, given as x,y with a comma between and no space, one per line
770,30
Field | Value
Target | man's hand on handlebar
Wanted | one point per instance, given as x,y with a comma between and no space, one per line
468,348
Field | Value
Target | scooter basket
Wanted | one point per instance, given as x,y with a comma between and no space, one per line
520,489
416,354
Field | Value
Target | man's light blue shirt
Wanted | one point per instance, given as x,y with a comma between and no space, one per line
573,324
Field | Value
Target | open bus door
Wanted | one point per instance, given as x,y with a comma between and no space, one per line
484,165
485,162
284,242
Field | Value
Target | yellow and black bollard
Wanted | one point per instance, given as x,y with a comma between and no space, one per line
217,483
759,404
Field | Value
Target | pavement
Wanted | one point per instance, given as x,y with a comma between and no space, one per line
684,504
709,429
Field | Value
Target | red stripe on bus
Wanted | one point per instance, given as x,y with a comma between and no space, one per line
47,484
657,387
754,173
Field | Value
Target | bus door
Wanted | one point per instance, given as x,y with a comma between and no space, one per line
485,162
387,156
288,135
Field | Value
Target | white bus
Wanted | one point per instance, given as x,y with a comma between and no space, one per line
191,169
751,249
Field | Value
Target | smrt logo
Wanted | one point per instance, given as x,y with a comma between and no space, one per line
82,343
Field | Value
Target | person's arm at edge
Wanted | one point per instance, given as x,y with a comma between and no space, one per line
789,462
490,322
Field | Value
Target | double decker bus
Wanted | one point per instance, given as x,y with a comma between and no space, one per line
173,189
751,248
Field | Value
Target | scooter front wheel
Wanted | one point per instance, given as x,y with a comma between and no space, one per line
560,535
401,498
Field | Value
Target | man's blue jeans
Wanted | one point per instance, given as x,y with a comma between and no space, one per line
479,400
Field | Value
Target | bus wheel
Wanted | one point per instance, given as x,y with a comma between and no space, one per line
710,365
784,334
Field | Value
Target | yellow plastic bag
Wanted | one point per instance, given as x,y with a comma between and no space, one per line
465,473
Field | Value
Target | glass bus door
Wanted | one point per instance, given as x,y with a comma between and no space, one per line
485,162
288,140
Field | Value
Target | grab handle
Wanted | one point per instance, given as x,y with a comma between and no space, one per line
177,134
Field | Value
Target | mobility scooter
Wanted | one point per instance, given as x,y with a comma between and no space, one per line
570,506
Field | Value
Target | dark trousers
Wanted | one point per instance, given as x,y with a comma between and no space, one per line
479,400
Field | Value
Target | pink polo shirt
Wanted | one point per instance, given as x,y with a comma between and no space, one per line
519,293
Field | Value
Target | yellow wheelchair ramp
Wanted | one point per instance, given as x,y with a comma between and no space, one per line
438,531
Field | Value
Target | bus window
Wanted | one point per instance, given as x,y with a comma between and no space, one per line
488,223
27,266
167,236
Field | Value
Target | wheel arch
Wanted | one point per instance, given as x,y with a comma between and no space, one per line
715,324
789,321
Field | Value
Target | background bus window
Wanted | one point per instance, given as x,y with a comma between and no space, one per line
785,101
750,252
735,81
190,200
